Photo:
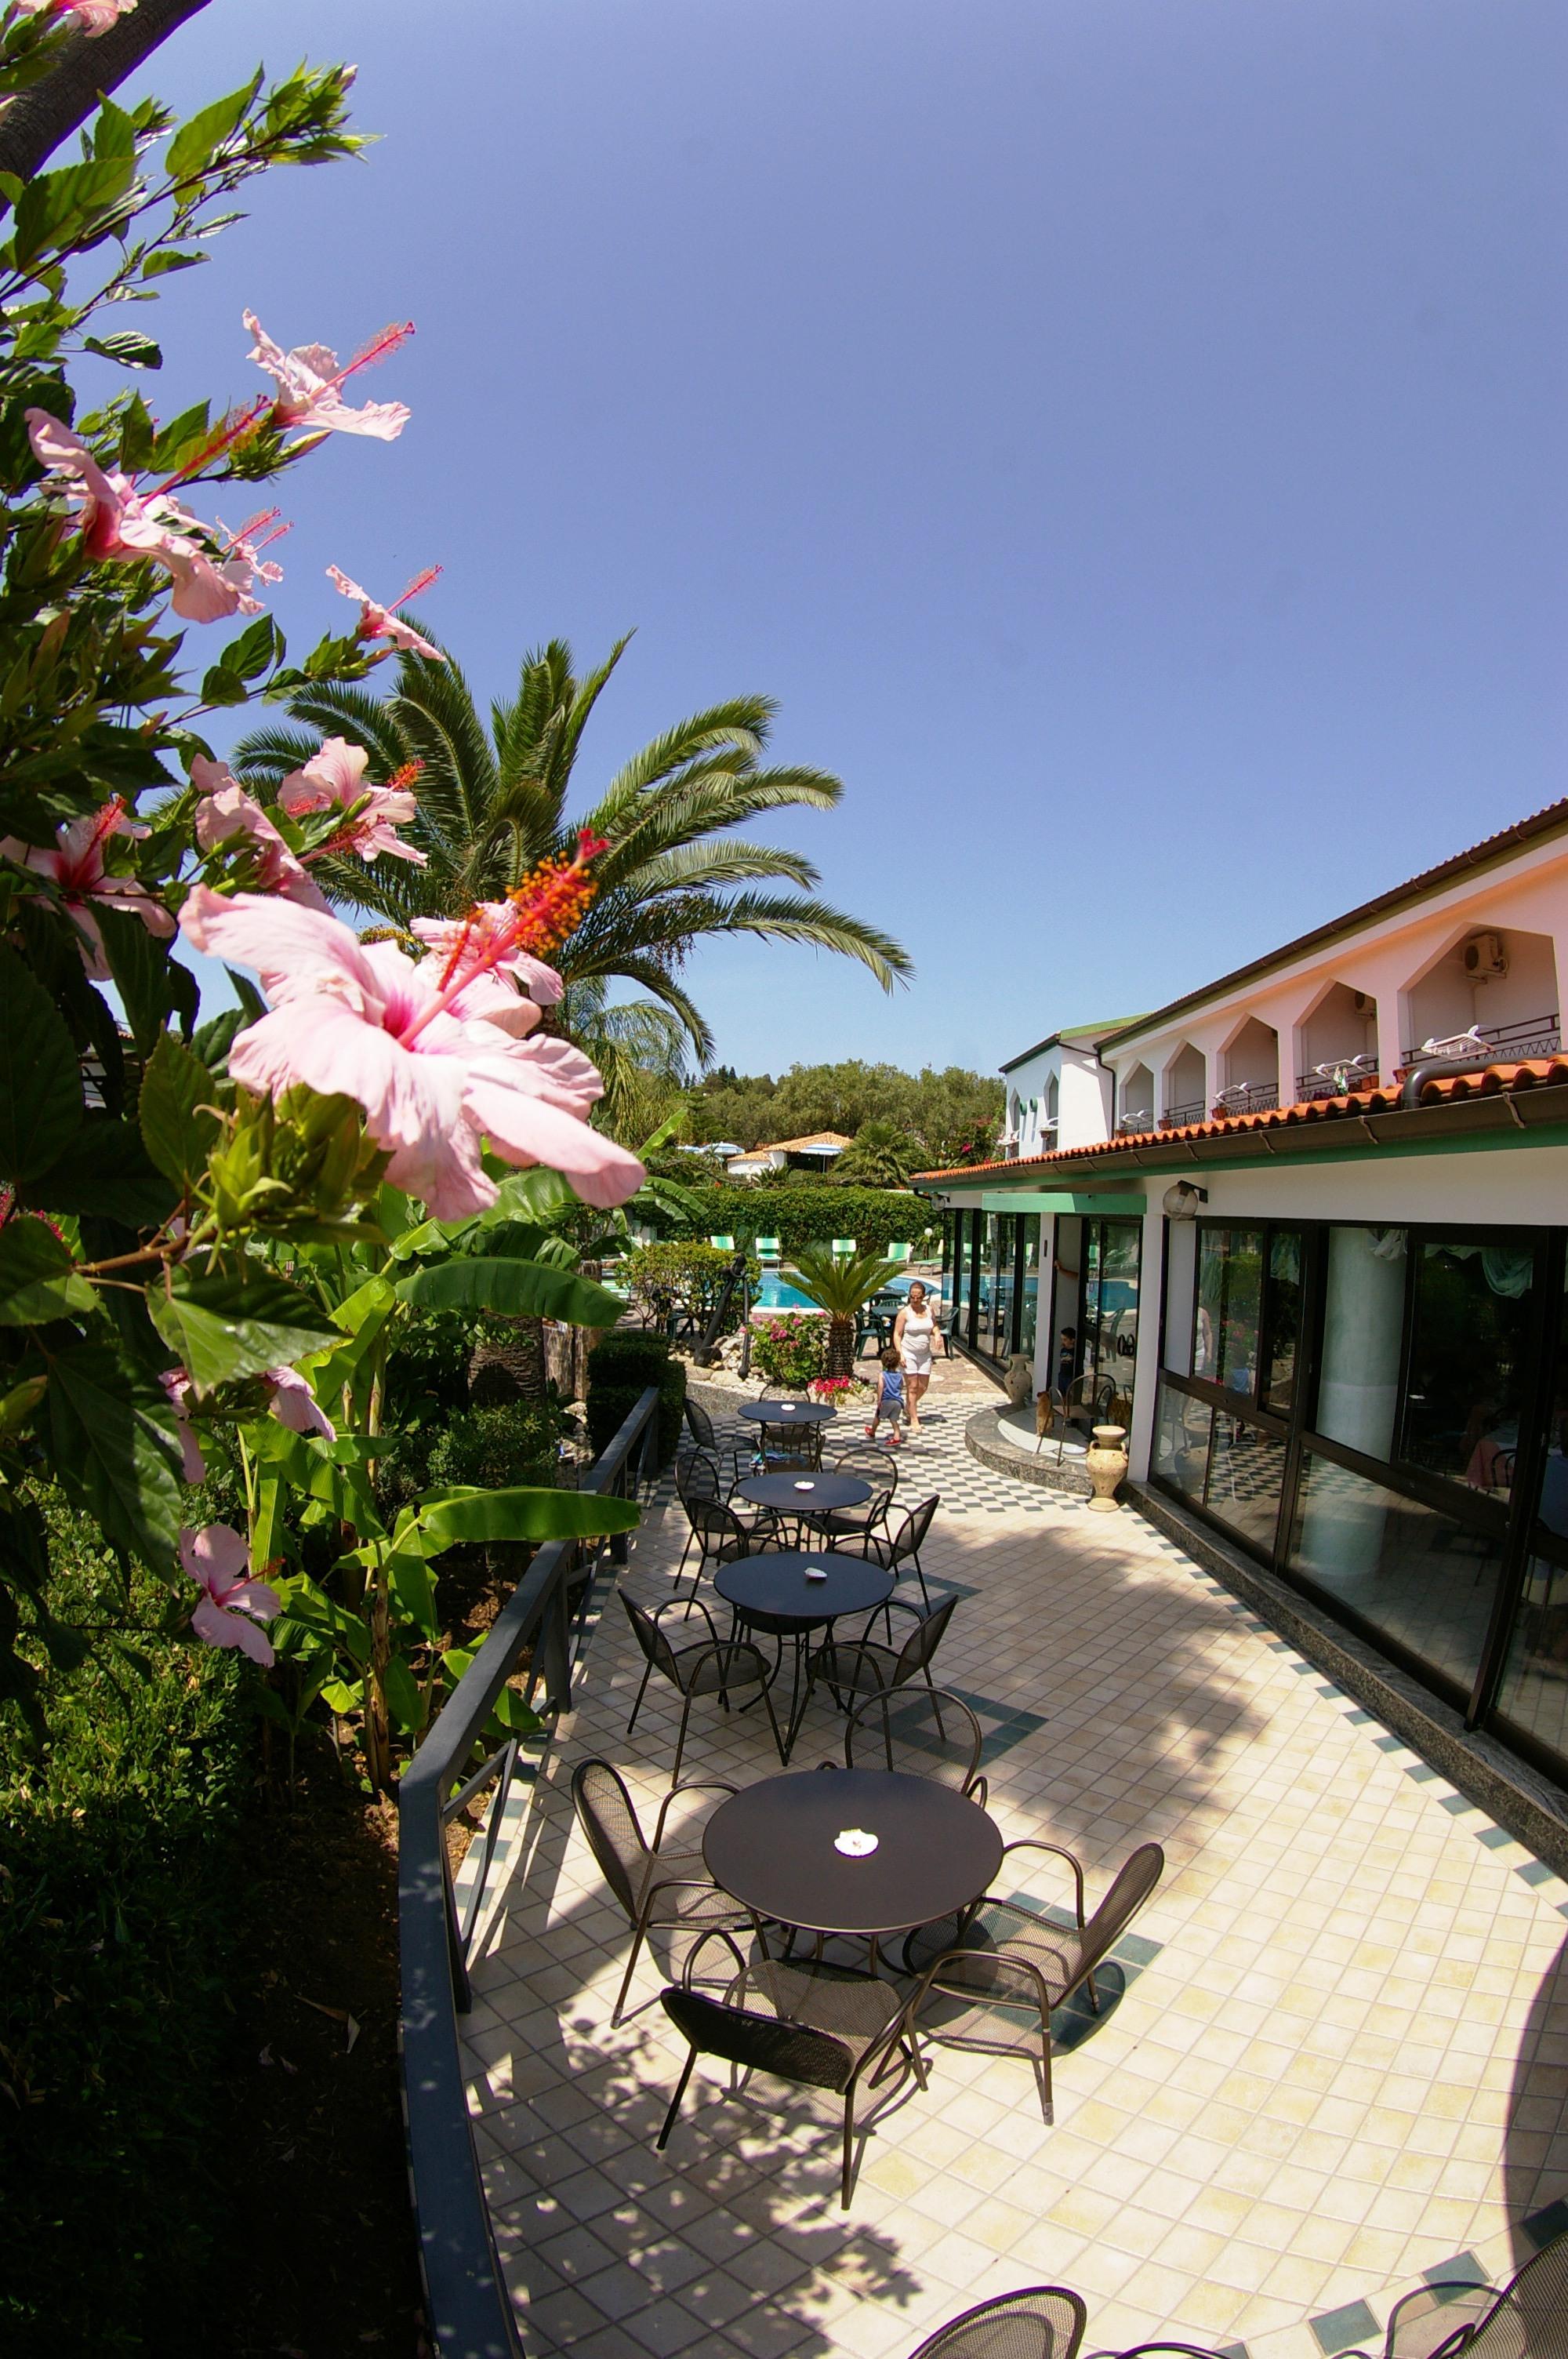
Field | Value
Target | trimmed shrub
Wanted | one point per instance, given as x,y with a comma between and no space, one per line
680,1275
512,1442
791,1349
122,1926
620,1370
802,1212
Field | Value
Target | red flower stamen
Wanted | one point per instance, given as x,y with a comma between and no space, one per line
379,348
249,533
420,581
237,427
552,901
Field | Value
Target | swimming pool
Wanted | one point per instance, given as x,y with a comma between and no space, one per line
775,1293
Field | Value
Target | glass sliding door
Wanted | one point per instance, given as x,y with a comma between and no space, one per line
1029,1285
1107,1341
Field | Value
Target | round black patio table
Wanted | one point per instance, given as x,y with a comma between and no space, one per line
773,1846
775,1586
771,1592
782,1412
803,1494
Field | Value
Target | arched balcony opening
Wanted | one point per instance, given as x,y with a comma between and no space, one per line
1135,1100
1493,993
1186,1088
1339,1044
1251,1065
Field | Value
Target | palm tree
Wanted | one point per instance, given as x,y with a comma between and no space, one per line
881,1155
840,1285
492,805
641,1049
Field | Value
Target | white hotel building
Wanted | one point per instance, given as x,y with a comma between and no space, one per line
1309,1226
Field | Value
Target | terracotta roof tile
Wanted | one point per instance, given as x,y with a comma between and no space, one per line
1535,1073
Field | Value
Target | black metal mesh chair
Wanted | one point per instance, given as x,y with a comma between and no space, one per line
851,1667
899,1550
996,1992
840,1526
722,1536
653,1887
1527,2320
924,1732
830,2028
1039,2323
700,1426
729,1668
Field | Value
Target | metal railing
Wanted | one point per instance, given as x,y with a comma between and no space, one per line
1337,1075
470,2311
1536,1036
1175,1117
1129,1124
1246,1097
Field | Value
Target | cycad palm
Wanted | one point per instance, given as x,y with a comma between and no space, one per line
492,804
840,1285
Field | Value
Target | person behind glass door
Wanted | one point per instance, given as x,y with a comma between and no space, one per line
1067,1357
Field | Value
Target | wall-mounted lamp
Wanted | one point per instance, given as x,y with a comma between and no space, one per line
1181,1202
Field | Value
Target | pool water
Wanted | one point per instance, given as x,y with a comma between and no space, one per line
775,1293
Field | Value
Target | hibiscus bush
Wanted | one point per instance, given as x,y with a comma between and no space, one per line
214,1227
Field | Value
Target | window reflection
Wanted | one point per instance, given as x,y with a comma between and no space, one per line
1230,1291
1283,1338
1181,1429
1426,1581
1469,1335
1534,1690
1247,1469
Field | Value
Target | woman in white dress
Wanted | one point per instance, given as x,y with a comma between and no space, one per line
915,1333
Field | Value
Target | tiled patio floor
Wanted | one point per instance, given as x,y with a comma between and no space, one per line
1340,2058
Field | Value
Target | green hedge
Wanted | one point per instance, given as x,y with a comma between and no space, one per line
123,1928
620,1370
805,1213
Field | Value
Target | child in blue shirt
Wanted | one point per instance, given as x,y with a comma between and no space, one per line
890,1398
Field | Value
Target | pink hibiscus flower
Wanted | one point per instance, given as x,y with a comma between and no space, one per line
336,776
383,621
362,1018
226,813
218,1560
476,951
177,1384
93,16
310,384
294,1405
75,866
121,524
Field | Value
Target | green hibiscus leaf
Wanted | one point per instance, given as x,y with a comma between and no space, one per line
41,1079
175,1112
115,1447
36,1282
225,1328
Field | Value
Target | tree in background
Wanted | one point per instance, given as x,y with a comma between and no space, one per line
882,1156
944,1113
492,813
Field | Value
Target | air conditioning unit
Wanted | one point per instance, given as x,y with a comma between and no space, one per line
1485,958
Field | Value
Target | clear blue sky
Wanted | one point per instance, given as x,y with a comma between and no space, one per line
1127,436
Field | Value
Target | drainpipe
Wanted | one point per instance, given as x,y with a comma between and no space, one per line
1439,1068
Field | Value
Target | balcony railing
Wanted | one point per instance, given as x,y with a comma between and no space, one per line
1130,1123
469,2311
1339,1074
1537,1036
1175,1117
1246,1097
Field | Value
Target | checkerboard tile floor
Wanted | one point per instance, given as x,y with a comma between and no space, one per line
1337,2058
